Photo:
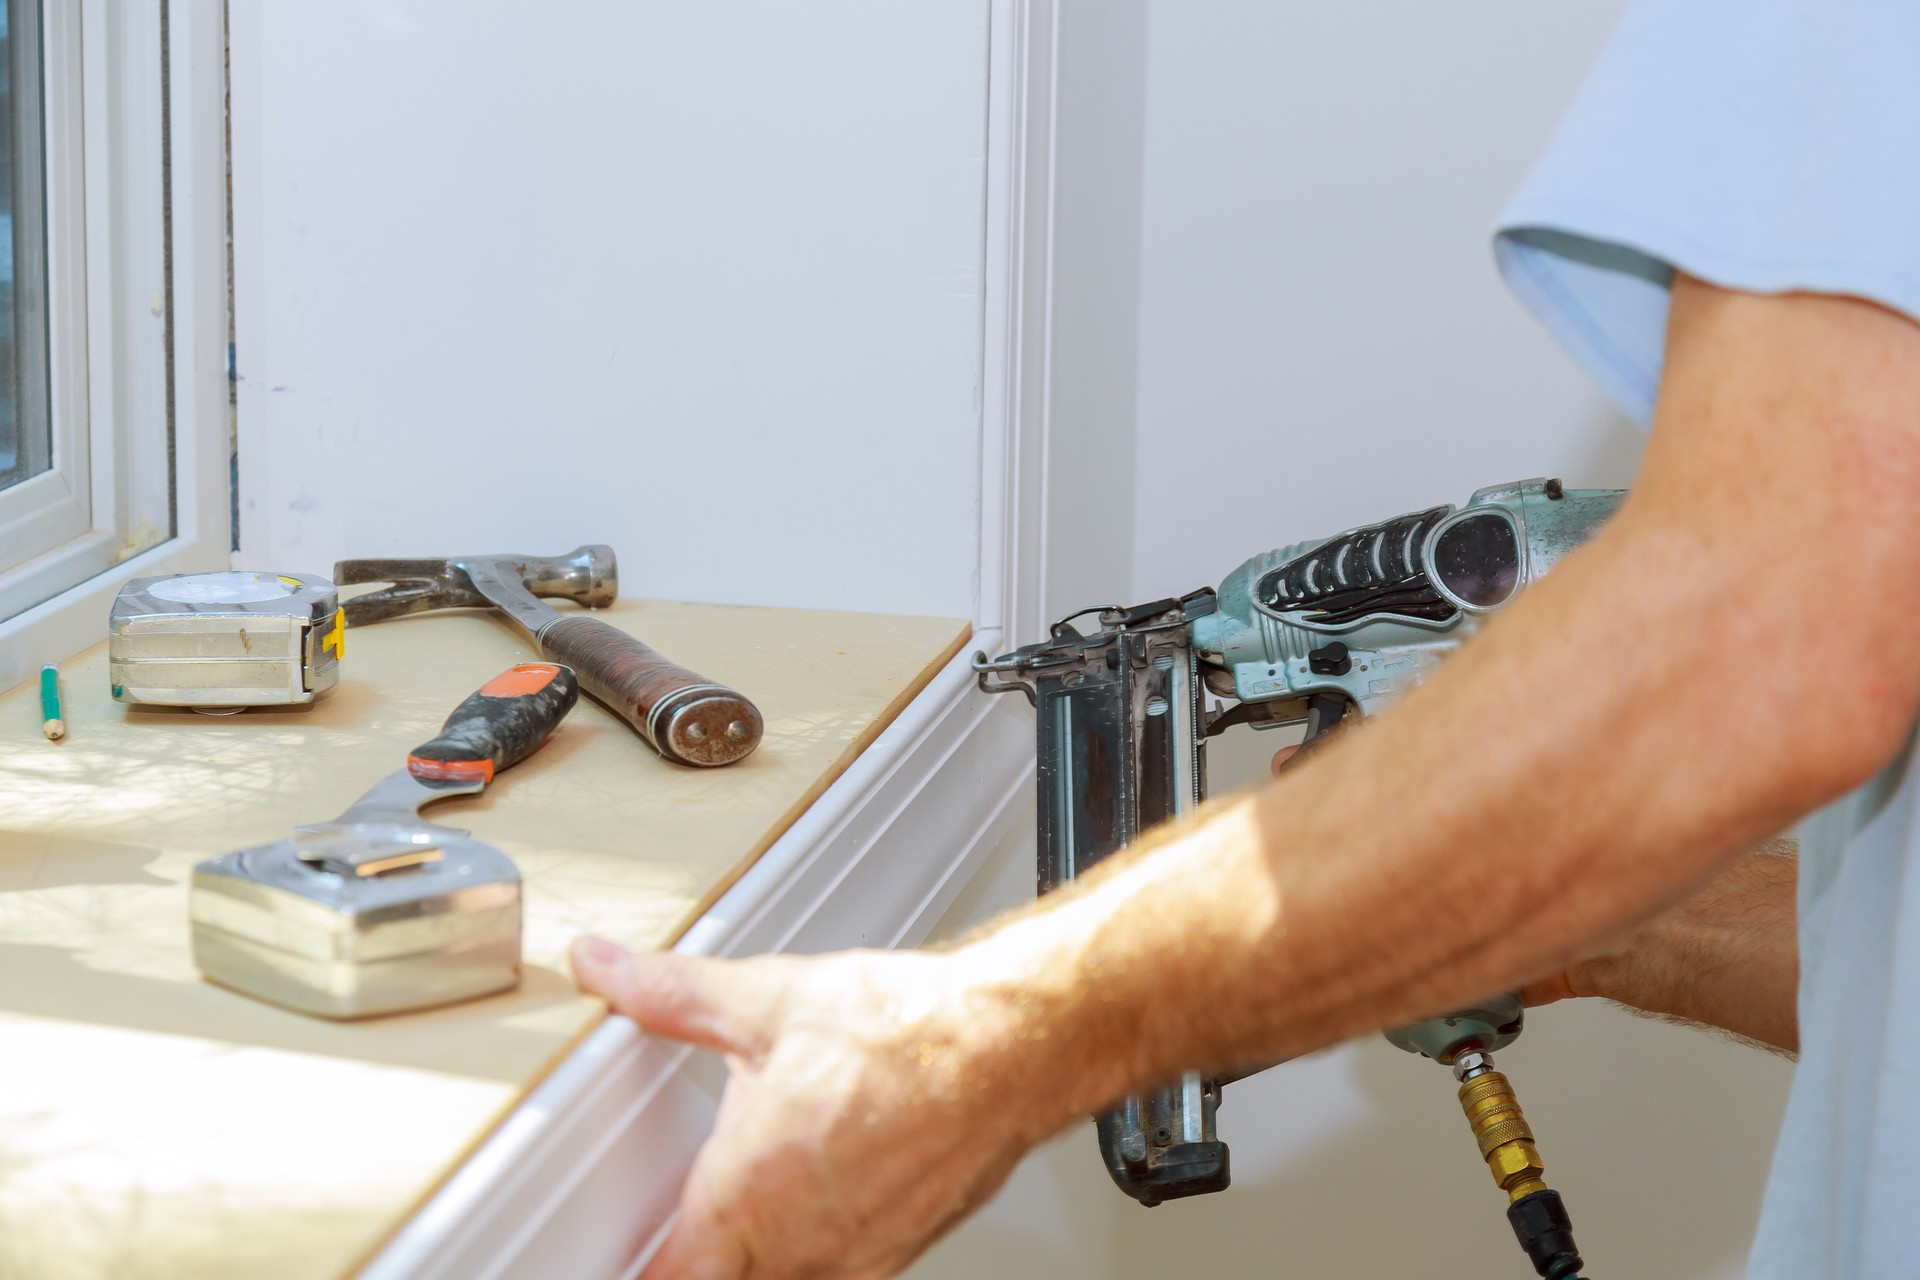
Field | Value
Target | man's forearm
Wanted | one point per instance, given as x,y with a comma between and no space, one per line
1648,711
1474,838
1727,957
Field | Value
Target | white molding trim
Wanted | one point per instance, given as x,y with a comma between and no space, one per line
581,1179
1016,381
76,619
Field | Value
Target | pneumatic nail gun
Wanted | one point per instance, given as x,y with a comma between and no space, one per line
1310,634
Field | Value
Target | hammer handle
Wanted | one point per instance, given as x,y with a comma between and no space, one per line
685,717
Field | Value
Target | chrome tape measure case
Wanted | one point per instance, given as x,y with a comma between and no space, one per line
225,640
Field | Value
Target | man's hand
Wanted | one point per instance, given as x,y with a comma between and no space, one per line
863,1113
1728,957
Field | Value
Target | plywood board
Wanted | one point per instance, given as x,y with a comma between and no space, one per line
153,1125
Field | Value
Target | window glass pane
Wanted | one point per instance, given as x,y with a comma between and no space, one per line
26,437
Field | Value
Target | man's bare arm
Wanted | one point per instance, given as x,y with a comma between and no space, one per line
1734,649
1673,693
1728,957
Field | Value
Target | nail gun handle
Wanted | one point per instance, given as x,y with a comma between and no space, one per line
500,725
685,717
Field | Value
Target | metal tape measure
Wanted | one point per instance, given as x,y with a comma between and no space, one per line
222,641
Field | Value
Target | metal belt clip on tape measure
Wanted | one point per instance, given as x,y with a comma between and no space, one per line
223,641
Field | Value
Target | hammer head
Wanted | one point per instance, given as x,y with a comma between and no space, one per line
587,575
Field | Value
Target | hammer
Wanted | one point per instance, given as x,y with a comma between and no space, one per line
685,717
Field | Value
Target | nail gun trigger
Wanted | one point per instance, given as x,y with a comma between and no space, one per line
1275,714
1325,713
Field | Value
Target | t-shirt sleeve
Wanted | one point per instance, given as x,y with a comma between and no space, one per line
1762,145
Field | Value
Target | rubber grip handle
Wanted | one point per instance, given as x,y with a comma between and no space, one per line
685,717
498,726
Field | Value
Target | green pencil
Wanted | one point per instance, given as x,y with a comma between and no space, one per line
54,727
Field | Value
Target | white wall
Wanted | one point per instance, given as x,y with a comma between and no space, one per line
1277,316
699,281
1323,338
1098,260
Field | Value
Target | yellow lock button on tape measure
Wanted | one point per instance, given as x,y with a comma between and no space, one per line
225,641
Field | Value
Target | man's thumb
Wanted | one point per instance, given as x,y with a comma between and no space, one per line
710,1003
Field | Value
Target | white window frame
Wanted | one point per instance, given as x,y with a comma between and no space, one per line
99,516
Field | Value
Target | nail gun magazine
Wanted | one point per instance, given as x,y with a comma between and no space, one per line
1307,635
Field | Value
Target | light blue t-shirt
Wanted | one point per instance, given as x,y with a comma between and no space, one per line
1769,145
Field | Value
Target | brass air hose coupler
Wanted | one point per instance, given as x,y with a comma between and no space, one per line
1538,1217
1499,1126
